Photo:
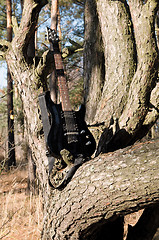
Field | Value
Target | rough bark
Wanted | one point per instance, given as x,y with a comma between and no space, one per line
131,64
145,77
103,189
113,18
32,187
94,73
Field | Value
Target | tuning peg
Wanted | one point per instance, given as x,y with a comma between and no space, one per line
47,36
52,35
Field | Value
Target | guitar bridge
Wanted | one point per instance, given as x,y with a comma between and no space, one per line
71,133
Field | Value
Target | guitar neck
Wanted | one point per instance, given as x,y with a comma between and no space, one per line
62,83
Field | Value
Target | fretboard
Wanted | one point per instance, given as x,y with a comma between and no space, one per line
62,83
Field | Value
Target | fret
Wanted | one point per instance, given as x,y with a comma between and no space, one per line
62,83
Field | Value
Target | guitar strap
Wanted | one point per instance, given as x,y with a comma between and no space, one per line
46,126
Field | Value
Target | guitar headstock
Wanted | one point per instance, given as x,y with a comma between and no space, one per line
52,35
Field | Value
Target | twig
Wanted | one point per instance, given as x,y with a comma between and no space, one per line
6,94
3,96
2,166
5,235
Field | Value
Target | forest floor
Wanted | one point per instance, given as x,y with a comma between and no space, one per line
20,213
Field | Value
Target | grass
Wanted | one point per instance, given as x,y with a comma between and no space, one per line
20,214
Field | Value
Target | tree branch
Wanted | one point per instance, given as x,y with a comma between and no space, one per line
153,113
146,74
105,188
28,23
15,25
45,65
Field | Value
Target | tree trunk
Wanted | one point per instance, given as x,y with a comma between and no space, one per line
102,190
11,144
115,82
32,187
121,86
54,23
157,24
32,178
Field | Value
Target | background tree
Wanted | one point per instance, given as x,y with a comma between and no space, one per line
11,144
3,18
54,23
3,126
119,48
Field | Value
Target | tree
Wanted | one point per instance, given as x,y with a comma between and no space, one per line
3,17
111,185
54,23
128,93
11,144
3,125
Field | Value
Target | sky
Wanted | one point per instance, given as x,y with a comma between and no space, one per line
3,75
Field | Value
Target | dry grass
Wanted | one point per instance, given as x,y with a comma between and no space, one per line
20,214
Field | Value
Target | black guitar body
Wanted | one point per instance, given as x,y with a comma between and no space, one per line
68,131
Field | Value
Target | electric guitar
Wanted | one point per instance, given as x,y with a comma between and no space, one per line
68,128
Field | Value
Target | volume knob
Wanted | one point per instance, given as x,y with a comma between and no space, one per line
88,143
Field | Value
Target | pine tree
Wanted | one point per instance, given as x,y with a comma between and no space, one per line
11,144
